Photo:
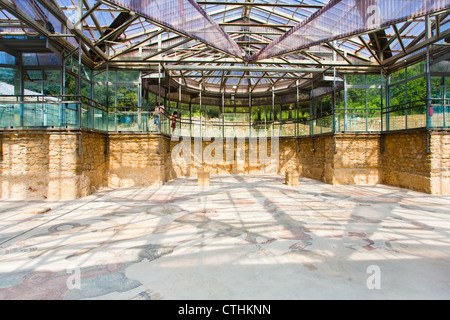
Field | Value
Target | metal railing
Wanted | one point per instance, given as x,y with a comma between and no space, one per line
75,112
439,113
68,112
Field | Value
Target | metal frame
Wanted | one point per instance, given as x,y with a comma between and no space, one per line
143,43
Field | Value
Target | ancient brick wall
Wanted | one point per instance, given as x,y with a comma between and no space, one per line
52,164
137,160
417,160
405,160
24,166
66,165
440,162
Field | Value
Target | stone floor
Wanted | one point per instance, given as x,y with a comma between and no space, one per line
243,237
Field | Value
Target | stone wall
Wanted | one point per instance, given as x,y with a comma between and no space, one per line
356,159
67,165
231,156
341,158
50,164
417,160
314,153
440,162
24,166
406,162
137,160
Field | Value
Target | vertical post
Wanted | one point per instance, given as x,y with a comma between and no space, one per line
169,93
201,122
140,102
159,81
280,117
367,107
296,131
428,74
345,102
80,106
250,114
108,102
18,88
190,116
62,108
388,103
311,97
223,111
333,106
273,112
381,98
179,106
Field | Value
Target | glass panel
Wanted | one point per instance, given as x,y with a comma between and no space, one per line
374,109
187,17
71,115
6,58
86,89
417,117
397,120
8,75
356,79
52,83
33,82
374,79
356,100
127,76
398,76
417,69
6,115
100,94
397,95
343,18
417,90
258,114
70,85
127,121
127,95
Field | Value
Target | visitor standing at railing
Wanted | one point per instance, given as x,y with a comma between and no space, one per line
174,121
159,109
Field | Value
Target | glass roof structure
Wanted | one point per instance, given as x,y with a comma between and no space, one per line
231,46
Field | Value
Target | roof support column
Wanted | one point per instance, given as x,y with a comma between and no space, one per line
428,35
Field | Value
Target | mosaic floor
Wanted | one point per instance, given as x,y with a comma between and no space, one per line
244,237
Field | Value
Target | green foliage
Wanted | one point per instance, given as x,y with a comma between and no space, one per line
8,75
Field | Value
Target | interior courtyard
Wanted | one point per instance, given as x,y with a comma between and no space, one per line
231,149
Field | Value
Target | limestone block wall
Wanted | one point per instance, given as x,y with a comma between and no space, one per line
314,153
406,162
417,160
356,160
64,166
231,156
94,166
334,159
341,158
53,165
138,160
67,165
440,162
24,166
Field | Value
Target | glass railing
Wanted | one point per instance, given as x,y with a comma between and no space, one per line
439,113
411,115
354,121
68,112
78,112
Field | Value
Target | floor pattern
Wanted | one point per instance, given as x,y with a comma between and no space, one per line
243,237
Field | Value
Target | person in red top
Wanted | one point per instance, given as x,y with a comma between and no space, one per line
174,120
